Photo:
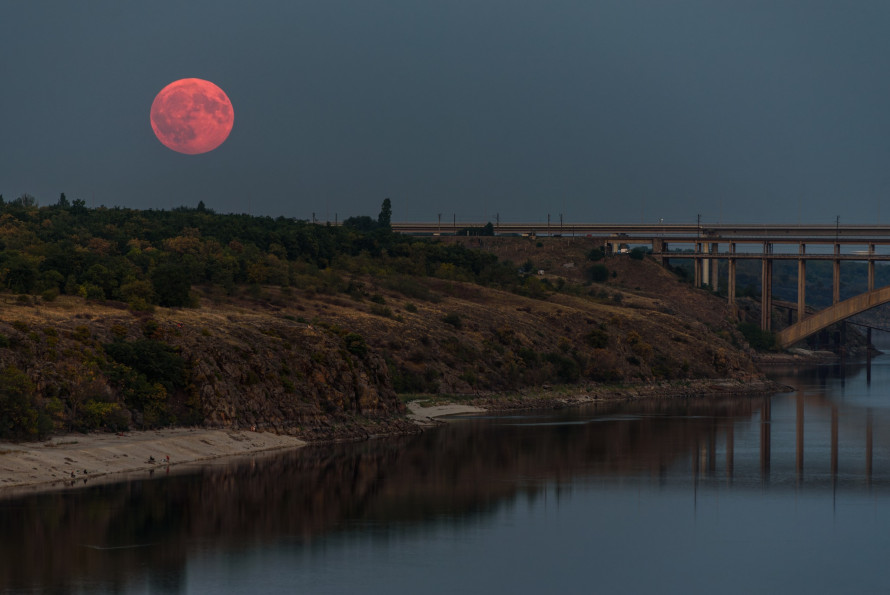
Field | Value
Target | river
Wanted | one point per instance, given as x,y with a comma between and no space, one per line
786,493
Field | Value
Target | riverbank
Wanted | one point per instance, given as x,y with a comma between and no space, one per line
77,459
567,396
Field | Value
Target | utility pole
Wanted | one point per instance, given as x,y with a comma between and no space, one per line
439,231
548,225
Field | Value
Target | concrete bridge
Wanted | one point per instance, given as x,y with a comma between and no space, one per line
706,245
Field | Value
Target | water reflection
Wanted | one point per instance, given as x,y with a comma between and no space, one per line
832,434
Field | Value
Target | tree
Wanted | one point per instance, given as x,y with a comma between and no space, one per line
362,223
172,285
385,216
25,200
79,207
20,415
63,201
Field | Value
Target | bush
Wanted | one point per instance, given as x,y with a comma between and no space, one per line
355,344
378,310
759,340
171,285
453,319
598,273
22,417
596,254
566,369
159,362
638,253
597,338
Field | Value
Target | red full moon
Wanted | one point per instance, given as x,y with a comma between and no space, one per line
192,116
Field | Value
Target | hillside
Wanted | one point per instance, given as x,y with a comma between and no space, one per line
115,319
322,365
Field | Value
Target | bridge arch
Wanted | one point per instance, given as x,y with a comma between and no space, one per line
839,311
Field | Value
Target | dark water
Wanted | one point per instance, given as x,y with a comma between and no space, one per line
783,494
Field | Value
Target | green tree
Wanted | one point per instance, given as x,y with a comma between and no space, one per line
25,200
172,285
385,216
21,418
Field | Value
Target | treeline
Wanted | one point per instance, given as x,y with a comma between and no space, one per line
155,256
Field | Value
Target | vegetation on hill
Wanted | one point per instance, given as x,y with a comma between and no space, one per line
117,318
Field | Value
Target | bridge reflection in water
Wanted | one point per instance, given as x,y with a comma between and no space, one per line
861,440
811,436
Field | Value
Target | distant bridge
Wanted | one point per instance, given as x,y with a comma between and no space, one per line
738,242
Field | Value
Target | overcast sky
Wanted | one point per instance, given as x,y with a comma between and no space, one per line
618,111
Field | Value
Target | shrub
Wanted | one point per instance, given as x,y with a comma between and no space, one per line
355,344
171,284
378,310
598,273
758,339
409,307
596,254
158,361
566,368
21,416
597,338
453,319
638,253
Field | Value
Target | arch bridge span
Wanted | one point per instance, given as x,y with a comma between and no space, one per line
832,314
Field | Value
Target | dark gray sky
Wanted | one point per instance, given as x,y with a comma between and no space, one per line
604,111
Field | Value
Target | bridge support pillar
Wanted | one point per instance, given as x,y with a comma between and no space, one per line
659,246
836,284
697,266
766,294
871,268
801,289
730,282
715,280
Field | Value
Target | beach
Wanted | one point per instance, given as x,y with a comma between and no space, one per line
84,458
77,459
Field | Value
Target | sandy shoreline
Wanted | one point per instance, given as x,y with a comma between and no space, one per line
80,458
75,459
